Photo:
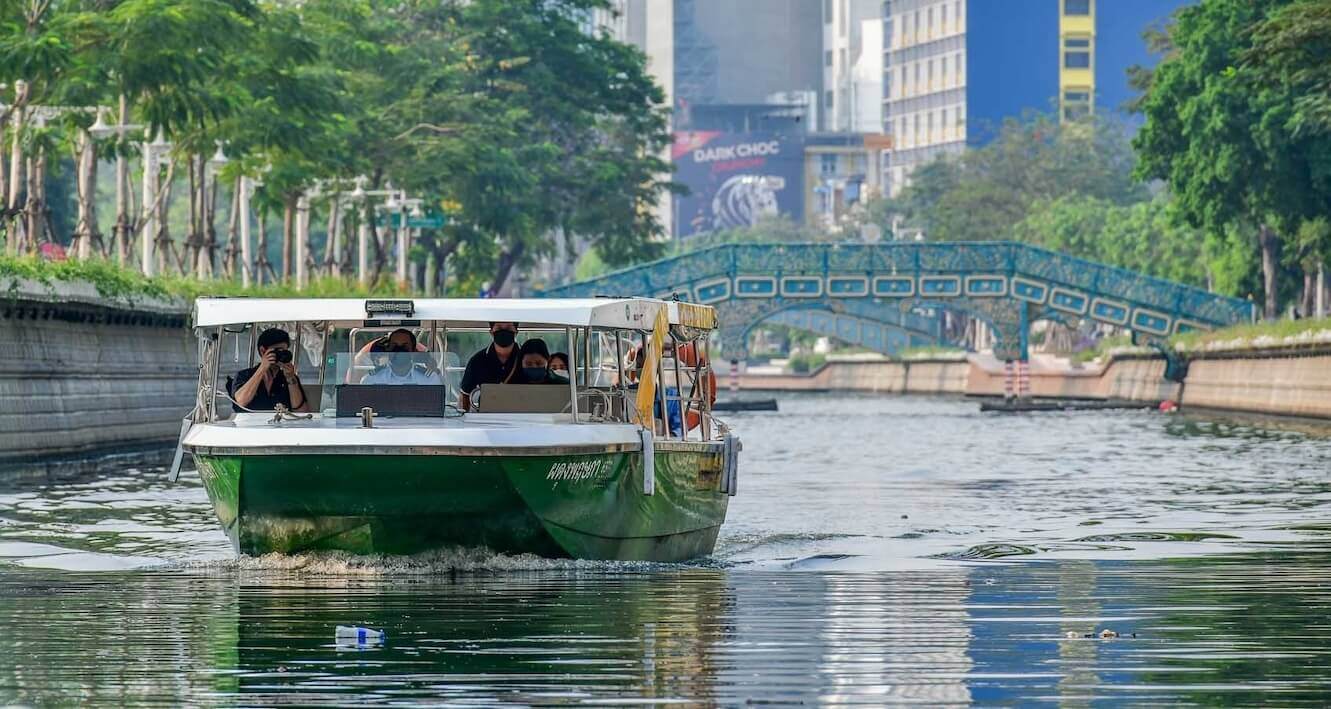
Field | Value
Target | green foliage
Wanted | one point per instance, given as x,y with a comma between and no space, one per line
1101,348
1228,123
931,352
984,193
117,283
501,113
777,230
1268,332
805,362
1144,237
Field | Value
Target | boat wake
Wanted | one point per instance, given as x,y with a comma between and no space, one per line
452,561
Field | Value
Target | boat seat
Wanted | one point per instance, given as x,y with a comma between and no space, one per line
524,399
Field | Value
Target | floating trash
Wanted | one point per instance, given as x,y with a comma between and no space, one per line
356,635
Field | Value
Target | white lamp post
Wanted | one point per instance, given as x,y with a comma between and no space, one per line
153,155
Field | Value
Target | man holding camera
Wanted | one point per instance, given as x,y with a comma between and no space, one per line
273,381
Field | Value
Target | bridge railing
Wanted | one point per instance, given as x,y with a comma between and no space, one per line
1081,281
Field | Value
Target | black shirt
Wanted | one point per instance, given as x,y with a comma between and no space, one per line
264,399
484,367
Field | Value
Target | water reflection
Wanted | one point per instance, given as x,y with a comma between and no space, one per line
918,552
1207,631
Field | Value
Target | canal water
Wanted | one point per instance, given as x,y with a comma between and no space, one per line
881,550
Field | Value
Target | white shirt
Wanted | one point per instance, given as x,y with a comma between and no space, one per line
416,376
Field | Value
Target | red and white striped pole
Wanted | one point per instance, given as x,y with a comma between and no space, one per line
1023,378
1007,379
734,376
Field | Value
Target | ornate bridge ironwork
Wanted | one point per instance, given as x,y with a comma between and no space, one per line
1005,284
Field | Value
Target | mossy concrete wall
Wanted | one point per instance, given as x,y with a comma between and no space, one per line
82,375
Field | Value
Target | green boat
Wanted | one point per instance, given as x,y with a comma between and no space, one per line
589,469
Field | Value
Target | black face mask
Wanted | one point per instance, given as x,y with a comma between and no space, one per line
505,338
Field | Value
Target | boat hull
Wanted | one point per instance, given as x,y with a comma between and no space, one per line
589,506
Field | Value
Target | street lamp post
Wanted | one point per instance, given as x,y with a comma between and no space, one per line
363,233
153,154
100,130
246,187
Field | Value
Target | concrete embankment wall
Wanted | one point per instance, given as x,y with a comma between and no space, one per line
942,376
81,374
1283,382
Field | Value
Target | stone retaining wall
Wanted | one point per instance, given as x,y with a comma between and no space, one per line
81,374
1295,382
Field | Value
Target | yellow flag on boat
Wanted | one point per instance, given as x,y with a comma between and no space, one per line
647,377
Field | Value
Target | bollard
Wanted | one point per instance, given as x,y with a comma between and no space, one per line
1007,379
734,376
1023,379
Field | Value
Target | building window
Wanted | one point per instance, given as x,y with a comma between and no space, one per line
1077,7
828,165
827,58
1076,53
827,99
929,16
904,81
943,11
930,74
917,76
930,120
917,25
1076,104
942,72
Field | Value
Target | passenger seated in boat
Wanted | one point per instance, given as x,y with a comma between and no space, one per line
273,381
397,360
559,363
497,364
536,364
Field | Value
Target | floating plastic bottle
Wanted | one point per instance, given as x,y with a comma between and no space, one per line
356,635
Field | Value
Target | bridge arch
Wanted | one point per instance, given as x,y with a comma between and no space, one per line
1008,285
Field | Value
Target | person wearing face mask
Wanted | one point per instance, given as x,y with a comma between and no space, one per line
559,363
397,362
536,364
497,364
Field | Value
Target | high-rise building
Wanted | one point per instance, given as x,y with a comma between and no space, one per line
955,69
852,59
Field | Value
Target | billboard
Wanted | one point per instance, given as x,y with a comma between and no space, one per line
736,179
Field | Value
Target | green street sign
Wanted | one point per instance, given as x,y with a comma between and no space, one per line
399,220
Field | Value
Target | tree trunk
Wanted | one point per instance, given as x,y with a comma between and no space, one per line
288,235
123,224
16,162
32,209
332,242
1269,242
507,259
232,239
1306,301
262,265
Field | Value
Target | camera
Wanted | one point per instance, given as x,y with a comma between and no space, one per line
283,356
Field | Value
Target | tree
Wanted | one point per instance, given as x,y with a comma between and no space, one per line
984,193
1223,137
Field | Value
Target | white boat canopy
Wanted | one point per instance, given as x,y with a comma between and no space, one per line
616,313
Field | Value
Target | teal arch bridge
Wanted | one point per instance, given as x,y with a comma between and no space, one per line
888,296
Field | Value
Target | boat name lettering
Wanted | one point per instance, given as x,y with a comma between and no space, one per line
577,470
